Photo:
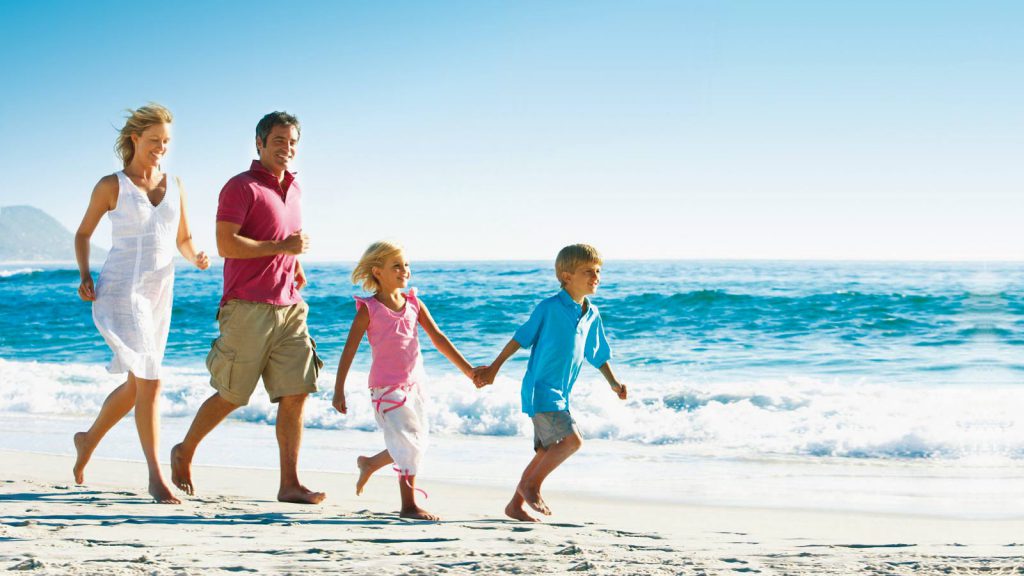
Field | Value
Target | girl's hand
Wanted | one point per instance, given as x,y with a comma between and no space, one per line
86,290
339,402
202,261
620,390
482,376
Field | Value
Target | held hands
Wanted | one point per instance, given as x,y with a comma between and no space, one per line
86,290
297,243
482,376
201,261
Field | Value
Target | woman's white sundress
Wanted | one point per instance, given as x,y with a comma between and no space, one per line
135,290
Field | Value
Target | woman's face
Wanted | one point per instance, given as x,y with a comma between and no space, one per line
151,144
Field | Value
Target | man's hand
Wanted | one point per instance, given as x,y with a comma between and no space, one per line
297,243
620,390
300,277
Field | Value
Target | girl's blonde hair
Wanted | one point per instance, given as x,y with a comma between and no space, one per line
375,256
137,122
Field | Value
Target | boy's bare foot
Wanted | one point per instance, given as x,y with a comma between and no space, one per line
181,471
418,513
517,513
161,493
300,495
364,473
84,453
532,498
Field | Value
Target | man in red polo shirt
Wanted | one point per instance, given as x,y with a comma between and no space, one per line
262,317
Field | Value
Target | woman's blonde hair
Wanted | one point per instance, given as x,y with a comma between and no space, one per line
138,120
572,257
375,256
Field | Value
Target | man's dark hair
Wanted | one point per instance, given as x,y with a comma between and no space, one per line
267,123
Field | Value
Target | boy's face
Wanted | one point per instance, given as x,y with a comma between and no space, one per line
584,280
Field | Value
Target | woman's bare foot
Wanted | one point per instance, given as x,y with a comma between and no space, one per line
181,471
417,513
161,493
364,473
517,513
300,495
84,453
532,498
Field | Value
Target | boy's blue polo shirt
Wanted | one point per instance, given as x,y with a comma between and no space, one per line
561,336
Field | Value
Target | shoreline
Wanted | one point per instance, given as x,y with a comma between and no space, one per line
234,525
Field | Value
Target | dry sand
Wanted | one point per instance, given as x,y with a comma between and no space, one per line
234,526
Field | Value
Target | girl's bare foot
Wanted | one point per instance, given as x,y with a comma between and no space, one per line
364,473
300,495
161,493
84,452
532,498
517,513
417,513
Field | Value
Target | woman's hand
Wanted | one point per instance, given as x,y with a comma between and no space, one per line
86,290
202,261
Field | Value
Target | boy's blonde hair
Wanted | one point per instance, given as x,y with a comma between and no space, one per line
375,256
136,123
572,257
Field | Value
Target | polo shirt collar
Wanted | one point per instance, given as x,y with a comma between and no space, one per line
260,171
568,302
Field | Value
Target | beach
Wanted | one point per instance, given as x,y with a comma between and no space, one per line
783,418
234,526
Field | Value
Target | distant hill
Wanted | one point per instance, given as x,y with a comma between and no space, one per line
28,233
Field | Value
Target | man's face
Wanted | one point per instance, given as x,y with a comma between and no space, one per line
279,150
584,280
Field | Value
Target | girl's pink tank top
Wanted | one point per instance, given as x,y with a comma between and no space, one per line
394,342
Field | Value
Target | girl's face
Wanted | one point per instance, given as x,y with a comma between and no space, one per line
394,275
151,144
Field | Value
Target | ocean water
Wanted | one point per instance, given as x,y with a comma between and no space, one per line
838,364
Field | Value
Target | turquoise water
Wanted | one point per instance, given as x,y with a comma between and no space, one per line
859,360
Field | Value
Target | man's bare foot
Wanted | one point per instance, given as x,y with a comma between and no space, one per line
418,513
161,493
532,498
181,471
300,495
517,513
84,453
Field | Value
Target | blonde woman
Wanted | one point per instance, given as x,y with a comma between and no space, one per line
133,296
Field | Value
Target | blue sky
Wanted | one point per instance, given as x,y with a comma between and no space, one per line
484,129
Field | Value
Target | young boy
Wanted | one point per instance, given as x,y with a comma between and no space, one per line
563,330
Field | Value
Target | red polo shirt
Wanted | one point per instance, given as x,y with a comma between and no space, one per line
265,210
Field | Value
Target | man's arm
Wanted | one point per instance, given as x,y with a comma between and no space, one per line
230,244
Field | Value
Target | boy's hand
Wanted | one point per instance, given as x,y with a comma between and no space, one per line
620,390
482,376
339,402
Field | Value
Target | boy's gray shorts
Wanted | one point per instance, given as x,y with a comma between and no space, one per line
550,428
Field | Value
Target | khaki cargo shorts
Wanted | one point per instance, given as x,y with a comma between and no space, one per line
258,339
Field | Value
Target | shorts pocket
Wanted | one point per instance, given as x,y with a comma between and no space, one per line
318,364
219,362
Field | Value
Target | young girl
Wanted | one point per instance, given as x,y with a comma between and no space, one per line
389,319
